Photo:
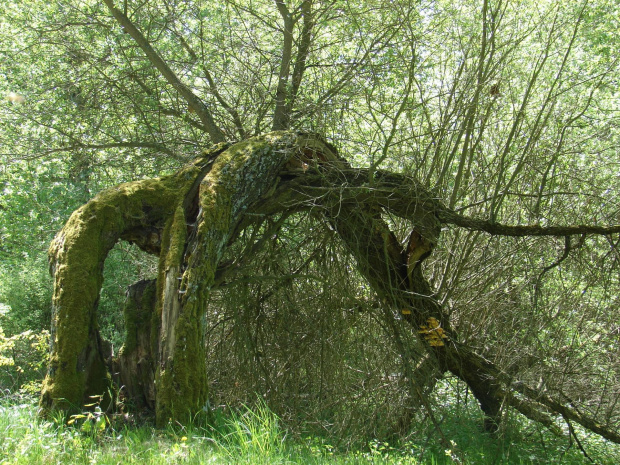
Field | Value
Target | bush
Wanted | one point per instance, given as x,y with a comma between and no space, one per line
23,359
25,295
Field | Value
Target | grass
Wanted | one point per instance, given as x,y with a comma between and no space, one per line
256,437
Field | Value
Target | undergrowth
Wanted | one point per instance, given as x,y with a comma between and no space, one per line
256,436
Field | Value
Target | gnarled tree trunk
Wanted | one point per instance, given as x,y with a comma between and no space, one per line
189,219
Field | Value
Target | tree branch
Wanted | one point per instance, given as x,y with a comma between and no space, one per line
448,216
192,100
212,87
405,197
111,145
279,116
567,412
300,61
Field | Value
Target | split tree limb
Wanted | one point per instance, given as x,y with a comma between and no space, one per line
279,115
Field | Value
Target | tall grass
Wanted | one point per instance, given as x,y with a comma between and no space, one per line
252,434
256,436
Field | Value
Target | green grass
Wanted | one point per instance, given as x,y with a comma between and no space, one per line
257,437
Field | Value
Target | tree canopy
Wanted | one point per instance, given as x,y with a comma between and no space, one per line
442,180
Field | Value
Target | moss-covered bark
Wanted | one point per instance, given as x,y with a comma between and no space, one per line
135,211
181,378
239,178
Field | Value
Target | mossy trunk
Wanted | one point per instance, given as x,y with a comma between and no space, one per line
76,369
137,357
187,219
135,212
193,247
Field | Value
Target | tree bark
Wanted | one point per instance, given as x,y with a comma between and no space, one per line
135,212
136,360
191,217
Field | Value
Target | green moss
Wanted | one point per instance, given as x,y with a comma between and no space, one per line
181,379
237,176
182,388
71,385
178,234
77,255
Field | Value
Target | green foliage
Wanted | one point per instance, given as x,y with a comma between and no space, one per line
23,361
25,295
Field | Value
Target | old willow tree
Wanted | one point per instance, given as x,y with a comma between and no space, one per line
466,199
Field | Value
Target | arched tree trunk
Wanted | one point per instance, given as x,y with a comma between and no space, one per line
191,217
353,201
188,219
395,274
136,212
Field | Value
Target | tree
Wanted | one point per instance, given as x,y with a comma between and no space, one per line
466,117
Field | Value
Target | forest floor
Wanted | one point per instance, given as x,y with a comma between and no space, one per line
256,437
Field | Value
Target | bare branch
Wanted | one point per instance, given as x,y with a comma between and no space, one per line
192,100
279,116
212,87
300,61
111,145
495,229
405,197
567,412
